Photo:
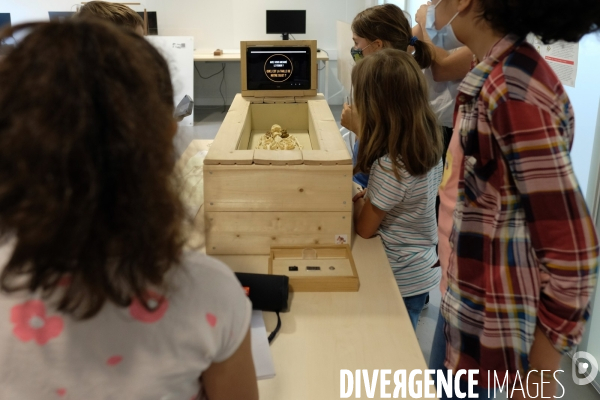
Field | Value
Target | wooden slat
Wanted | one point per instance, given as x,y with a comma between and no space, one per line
224,148
256,232
325,125
277,188
277,157
320,157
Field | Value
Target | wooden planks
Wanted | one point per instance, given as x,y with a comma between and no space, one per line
277,188
231,146
255,232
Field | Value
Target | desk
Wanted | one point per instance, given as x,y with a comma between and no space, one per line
326,332
235,57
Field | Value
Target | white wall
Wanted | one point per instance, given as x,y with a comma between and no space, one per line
221,24
584,97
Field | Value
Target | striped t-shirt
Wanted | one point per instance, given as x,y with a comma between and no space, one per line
409,229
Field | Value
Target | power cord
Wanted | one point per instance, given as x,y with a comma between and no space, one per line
324,51
221,71
274,333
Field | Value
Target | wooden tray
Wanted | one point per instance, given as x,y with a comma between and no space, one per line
316,268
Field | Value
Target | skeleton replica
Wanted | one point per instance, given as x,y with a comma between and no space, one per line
278,139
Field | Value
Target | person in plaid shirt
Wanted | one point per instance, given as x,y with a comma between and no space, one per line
524,255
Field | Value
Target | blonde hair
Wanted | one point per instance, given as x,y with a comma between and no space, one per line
117,13
389,24
390,96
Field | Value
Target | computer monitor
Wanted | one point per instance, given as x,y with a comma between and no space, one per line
60,15
284,22
4,20
278,68
152,22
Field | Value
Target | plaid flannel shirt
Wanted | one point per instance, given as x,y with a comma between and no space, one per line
524,246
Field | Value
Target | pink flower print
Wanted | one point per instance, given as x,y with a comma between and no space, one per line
31,322
157,304
114,360
61,392
211,319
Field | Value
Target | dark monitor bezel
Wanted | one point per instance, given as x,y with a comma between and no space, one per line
270,14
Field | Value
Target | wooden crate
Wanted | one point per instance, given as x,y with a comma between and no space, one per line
255,199
330,269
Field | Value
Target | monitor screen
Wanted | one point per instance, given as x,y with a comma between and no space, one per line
278,68
4,20
286,21
152,22
60,15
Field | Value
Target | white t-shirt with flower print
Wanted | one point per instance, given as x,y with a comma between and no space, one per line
123,353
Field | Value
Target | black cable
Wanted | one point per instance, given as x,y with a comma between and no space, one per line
292,36
324,51
220,86
222,70
208,77
272,335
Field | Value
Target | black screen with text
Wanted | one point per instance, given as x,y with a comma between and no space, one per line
278,68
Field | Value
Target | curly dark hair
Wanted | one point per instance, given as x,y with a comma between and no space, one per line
86,161
551,20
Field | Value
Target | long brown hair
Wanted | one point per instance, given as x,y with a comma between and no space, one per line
86,160
388,23
390,94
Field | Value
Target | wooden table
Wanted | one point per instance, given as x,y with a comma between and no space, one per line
326,332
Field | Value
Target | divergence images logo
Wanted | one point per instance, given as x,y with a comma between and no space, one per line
585,368
278,68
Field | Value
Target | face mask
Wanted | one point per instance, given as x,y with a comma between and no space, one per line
445,37
357,54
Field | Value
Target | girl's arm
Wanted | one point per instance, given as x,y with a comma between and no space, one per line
561,229
367,217
234,378
445,66
451,66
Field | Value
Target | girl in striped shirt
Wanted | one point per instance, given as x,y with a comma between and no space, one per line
401,149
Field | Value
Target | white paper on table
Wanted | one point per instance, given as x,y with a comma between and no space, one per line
261,353
561,56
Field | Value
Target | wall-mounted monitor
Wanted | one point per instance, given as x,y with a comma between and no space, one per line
60,15
152,22
284,22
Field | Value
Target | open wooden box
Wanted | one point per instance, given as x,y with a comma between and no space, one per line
316,268
255,199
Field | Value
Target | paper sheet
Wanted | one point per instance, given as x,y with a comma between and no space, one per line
261,353
561,56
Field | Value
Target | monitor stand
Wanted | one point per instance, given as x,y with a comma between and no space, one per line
285,36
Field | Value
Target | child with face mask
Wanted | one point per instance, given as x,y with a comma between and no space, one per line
524,263
374,29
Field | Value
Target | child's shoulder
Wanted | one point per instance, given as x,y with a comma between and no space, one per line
384,165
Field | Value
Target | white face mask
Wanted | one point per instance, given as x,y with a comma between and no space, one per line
445,37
